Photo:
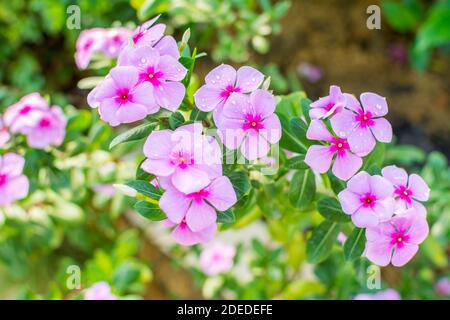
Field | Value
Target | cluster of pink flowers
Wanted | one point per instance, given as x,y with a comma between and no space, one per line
107,41
147,77
243,113
188,166
41,124
356,128
13,184
388,205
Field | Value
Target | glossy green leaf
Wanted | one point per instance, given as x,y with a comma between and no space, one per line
145,188
354,245
319,246
149,210
330,209
140,132
302,189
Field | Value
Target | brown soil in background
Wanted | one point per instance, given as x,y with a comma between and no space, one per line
333,35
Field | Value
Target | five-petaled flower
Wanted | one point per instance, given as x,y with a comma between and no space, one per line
397,240
361,125
188,157
221,82
319,157
13,184
408,191
368,199
248,122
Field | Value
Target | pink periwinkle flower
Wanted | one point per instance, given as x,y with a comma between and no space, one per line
363,124
4,134
388,294
221,82
163,73
89,41
248,122
121,98
24,113
368,199
197,209
188,157
408,190
99,291
397,240
185,236
115,41
13,184
49,128
217,259
320,157
310,71
442,287
326,106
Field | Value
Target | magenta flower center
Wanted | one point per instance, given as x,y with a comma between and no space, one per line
137,36
25,110
404,193
368,200
88,44
252,122
229,90
45,122
123,96
3,179
182,159
339,145
199,195
364,118
329,106
152,76
399,238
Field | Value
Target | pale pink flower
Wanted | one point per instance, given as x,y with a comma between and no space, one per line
442,287
310,71
368,199
148,33
115,40
388,294
185,236
121,98
363,124
320,157
197,209
341,238
397,240
89,41
326,106
217,258
408,190
163,73
221,82
106,190
248,122
13,184
4,134
49,128
24,113
188,157
99,291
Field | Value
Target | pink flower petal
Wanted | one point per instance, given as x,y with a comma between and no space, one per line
397,176
221,194
131,112
175,205
169,95
272,129
361,141
190,180
11,164
346,165
344,123
254,146
208,97
359,183
159,167
168,46
382,188
419,187
125,77
379,252
17,187
248,79
419,229
319,158
351,102
236,107
420,208
159,144
200,216
221,76
317,130
143,95
365,217
382,130
384,209
350,201
172,69
263,103
374,103
233,134
107,110
185,236
144,56
403,255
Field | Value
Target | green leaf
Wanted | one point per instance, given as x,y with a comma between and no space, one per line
331,209
79,121
197,115
319,246
145,188
176,120
296,163
137,133
226,216
302,189
375,158
402,16
149,210
241,183
188,63
294,135
336,184
306,105
354,246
